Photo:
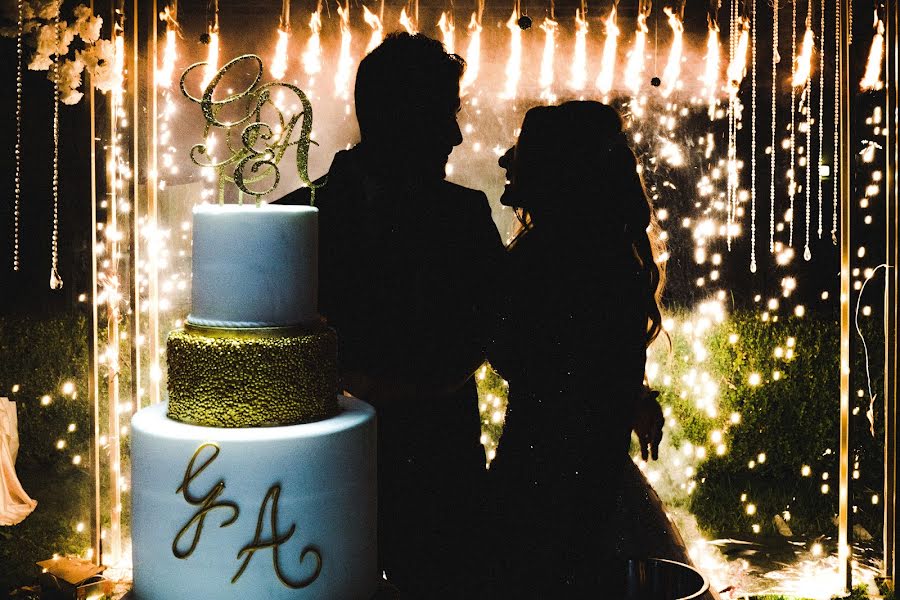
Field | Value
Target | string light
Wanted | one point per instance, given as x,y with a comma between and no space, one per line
837,121
55,280
792,180
772,148
753,25
820,124
17,181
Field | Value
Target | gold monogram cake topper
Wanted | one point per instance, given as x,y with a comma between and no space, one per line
254,148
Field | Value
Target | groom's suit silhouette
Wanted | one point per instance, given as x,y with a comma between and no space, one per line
407,260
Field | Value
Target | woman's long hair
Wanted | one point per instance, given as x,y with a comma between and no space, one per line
591,164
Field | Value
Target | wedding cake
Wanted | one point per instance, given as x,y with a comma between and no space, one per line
255,479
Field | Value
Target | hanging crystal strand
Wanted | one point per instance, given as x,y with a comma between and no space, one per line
821,129
775,59
729,194
792,178
17,182
56,281
807,254
753,137
837,124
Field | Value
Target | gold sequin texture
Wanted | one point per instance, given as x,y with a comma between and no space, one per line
252,381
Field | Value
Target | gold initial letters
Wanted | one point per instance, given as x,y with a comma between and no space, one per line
275,542
206,503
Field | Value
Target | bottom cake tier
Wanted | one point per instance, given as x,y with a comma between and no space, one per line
271,512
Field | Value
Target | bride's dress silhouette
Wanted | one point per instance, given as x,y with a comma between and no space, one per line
580,310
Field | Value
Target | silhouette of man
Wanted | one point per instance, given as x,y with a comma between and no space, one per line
406,264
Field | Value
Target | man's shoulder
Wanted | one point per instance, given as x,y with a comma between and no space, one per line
461,194
299,196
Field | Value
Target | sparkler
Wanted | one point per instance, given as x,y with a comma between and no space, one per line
164,73
635,69
473,56
406,22
546,79
608,64
373,21
279,61
212,56
872,77
345,61
579,60
738,67
447,29
312,58
514,64
711,72
803,65
673,66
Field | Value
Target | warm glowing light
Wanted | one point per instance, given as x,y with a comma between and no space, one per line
579,59
473,56
738,67
447,29
872,77
635,68
406,22
751,509
711,72
546,78
68,388
312,57
345,60
374,22
46,400
755,379
212,57
279,61
803,64
673,65
608,62
164,73
514,64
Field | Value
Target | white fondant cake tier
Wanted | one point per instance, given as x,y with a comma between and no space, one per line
285,512
254,266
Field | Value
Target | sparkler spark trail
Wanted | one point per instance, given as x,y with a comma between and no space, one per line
579,60
164,73
546,80
803,66
514,64
279,61
738,67
635,68
711,72
312,58
473,54
345,61
374,22
406,22
608,64
872,77
212,57
447,29
673,66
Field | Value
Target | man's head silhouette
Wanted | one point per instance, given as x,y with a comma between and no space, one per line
407,97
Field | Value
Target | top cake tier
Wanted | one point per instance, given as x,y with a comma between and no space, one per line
255,266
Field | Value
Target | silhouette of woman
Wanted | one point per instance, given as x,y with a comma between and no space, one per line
580,312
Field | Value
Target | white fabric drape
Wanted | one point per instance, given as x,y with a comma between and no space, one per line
15,504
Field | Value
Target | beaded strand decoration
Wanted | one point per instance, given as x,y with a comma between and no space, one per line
55,280
821,129
807,254
837,124
753,138
792,176
17,184
775,59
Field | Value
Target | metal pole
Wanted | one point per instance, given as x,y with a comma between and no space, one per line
892,193
843,44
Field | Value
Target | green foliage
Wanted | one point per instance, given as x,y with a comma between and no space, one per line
40,356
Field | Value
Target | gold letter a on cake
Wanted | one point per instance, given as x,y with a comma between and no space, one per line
275,542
